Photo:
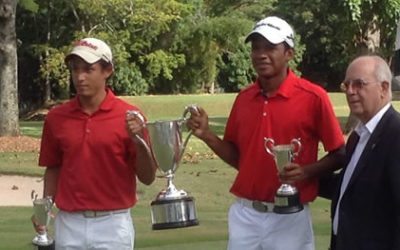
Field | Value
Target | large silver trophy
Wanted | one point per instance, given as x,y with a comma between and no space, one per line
287,199
41,212
172,208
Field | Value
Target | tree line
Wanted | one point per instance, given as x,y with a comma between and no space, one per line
191,46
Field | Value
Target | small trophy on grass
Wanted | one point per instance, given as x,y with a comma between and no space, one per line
41,212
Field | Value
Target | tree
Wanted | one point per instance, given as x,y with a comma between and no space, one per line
137,31
336,31
8,70
212,40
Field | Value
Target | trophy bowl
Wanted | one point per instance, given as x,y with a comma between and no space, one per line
287,198
172,208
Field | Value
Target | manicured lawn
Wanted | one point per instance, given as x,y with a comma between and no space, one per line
208,181
202,174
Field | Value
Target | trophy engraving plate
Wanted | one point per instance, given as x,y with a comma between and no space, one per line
281,201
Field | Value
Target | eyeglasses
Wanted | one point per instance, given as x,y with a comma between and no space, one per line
355,84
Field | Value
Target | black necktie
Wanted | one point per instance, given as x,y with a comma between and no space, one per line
351,144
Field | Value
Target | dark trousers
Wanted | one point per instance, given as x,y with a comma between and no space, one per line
333,242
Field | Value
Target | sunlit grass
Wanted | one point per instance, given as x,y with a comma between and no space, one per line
207,179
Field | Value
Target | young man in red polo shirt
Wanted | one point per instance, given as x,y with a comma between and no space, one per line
91,160
281,106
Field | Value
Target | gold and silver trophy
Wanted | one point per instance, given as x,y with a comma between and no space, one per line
287,198
172,208
42,216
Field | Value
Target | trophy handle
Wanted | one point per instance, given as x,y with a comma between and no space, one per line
34,195
140,116
268,144
296,147
49,204
142,141
184,118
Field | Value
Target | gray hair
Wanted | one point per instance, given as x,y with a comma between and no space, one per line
382,71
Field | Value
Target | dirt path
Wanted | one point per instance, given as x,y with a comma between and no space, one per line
16,190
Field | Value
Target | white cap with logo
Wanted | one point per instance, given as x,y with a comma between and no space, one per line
275,30
91,50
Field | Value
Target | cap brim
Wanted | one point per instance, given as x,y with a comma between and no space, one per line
267,34
85,55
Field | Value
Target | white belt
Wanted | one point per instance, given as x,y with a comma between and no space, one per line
260,206
95,214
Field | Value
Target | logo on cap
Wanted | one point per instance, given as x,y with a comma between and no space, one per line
85,43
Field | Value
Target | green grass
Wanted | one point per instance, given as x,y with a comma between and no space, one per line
172,106
208,180
31,128
20,164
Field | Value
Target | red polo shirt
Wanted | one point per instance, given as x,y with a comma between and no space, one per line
95,154
299,109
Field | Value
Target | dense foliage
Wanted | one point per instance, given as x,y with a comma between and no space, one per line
171,46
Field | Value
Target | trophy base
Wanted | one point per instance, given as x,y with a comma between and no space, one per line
287,204
173,225
173,213
43,240
52,246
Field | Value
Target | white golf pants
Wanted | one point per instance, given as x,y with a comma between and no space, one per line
74,231
253,230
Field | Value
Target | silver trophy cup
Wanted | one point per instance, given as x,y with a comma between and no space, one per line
287,199
41,211
172,208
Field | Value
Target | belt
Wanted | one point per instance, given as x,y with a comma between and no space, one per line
260,206
96,214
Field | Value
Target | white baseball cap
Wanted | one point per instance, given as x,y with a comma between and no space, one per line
275,30
91,50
